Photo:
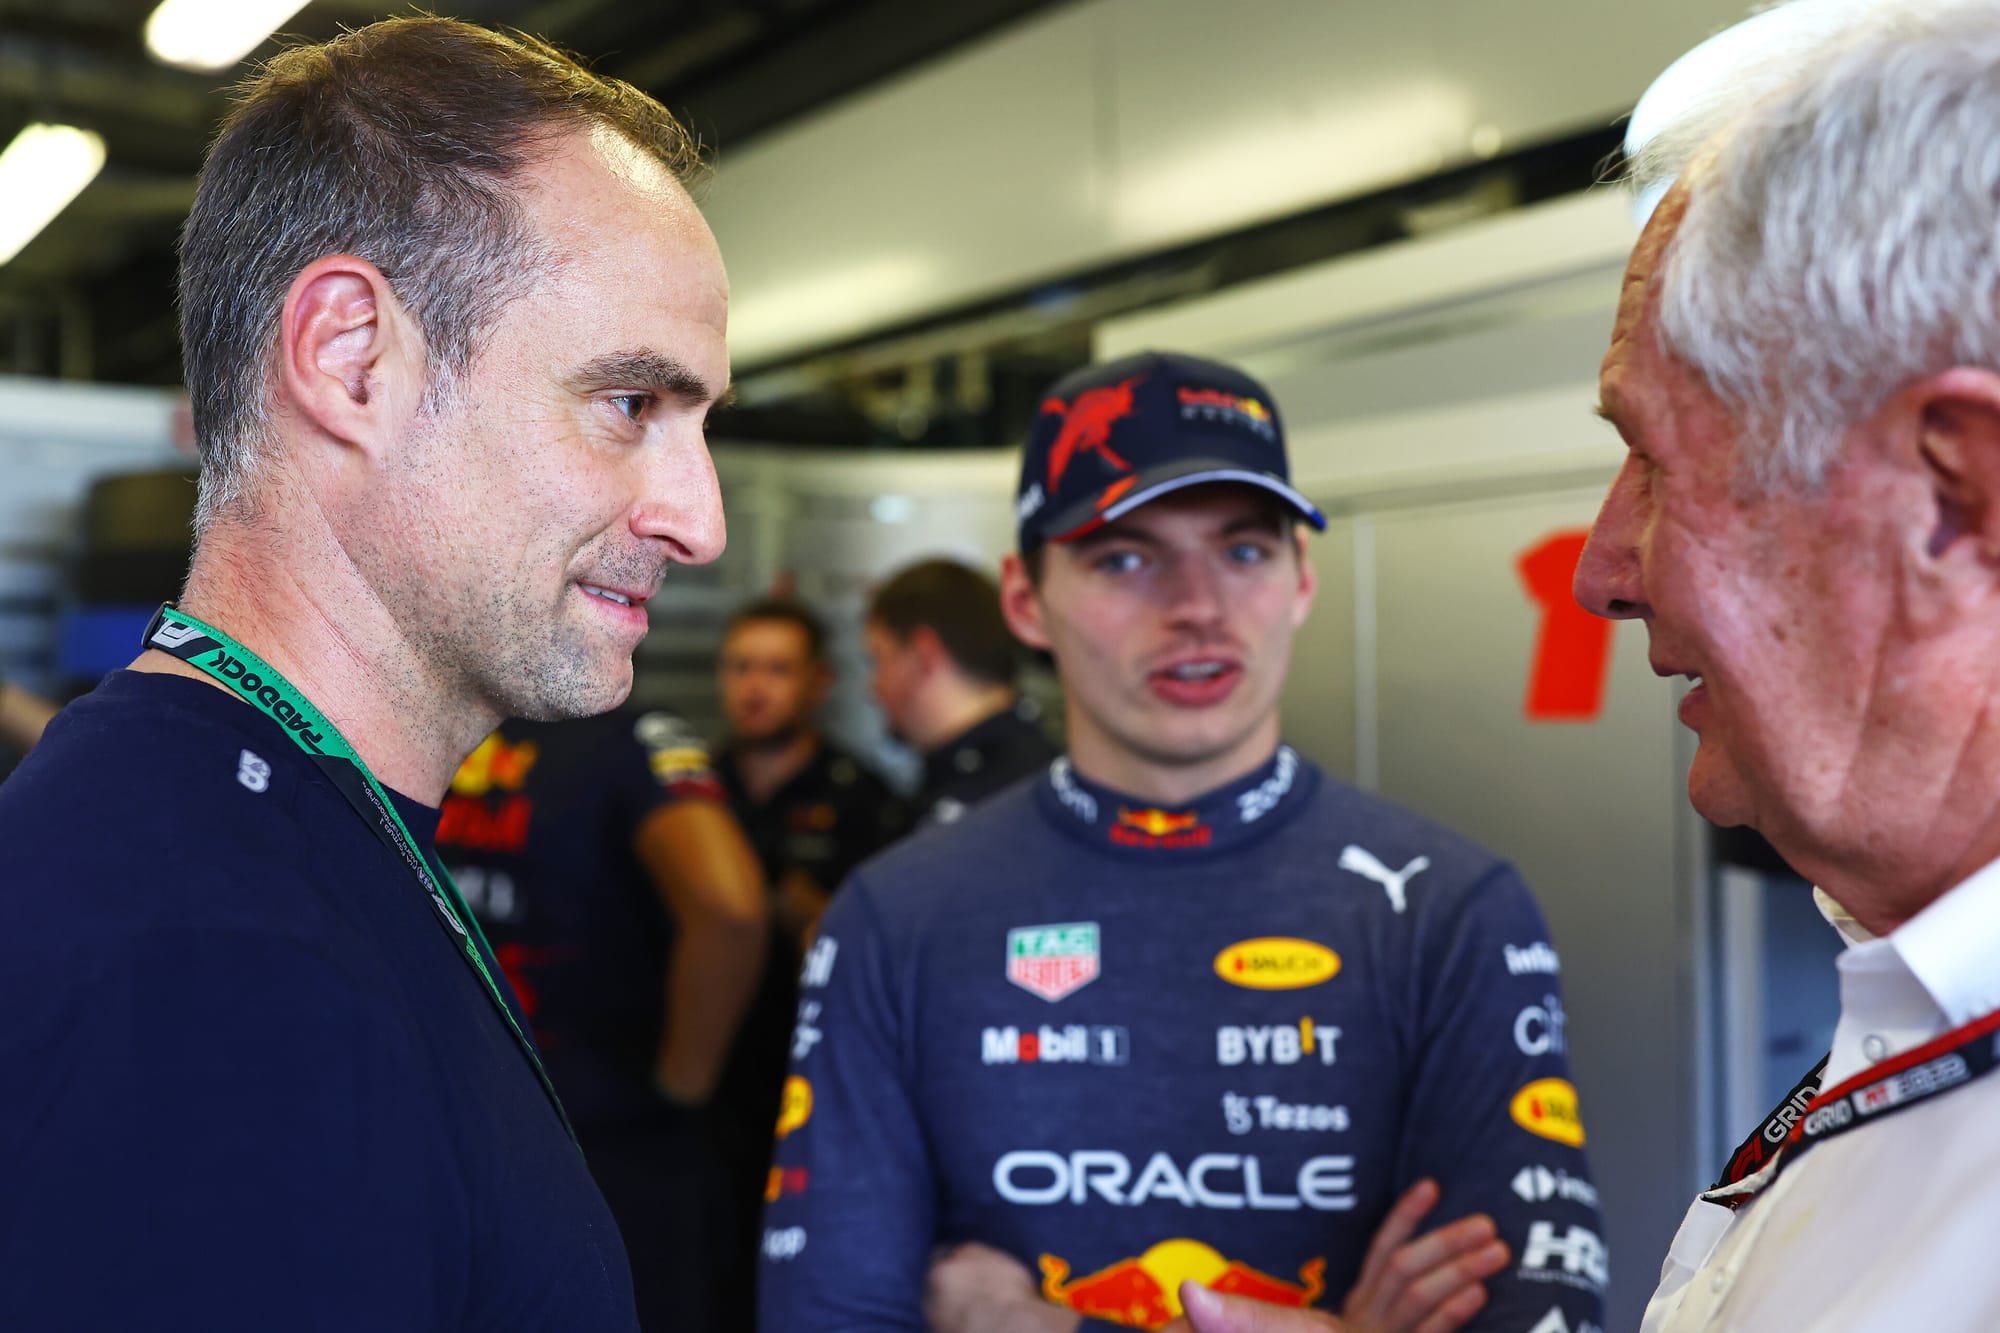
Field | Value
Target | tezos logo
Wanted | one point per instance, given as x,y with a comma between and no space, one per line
1276,963
1243,1114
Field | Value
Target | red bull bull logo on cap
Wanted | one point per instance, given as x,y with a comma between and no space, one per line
1086,426
1144,1292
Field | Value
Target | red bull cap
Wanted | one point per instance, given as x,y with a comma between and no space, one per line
1109,438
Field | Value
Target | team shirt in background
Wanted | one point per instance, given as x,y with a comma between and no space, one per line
1130,1045
539,829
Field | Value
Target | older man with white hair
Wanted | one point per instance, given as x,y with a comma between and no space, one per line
1806,371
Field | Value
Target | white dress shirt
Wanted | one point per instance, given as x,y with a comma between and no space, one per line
1891,1226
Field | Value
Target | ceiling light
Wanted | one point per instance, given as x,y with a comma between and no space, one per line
40,172
212,35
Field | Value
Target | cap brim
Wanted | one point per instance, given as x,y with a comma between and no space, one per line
1163,481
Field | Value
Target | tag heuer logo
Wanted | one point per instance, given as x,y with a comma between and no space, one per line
1053,961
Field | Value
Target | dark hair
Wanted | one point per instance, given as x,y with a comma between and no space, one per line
958,604
788,611
397,143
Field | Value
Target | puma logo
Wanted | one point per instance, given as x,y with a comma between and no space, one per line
1363,863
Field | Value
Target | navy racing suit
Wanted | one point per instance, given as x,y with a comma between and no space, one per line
1131,1045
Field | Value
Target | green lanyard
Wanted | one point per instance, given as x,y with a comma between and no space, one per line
216,654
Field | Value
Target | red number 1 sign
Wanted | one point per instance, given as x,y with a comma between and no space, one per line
1573,649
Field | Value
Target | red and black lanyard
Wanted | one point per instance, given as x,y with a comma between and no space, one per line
1808,1117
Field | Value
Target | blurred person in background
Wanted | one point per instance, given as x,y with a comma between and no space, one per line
452,326
944,666
1184,1007
812,812
628,911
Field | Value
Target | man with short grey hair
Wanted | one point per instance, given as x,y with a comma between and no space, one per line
452,325
1806,372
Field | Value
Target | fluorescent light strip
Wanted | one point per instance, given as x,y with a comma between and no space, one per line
40,172
210,35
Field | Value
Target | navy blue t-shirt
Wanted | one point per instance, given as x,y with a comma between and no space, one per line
1130,1045
251,1082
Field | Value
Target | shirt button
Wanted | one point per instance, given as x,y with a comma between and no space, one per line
1720,1281
1875,1047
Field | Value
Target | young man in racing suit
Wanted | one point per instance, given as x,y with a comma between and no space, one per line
1185,1007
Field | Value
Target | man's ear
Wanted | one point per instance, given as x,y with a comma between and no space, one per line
347,350
929,648
1958,445
1302,605
1021,604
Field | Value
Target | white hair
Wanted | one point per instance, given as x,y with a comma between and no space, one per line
1842,236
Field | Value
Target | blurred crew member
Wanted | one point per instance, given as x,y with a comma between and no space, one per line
944,669
452,326
1184,1007
628,911
813,813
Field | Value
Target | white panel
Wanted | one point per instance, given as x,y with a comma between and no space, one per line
1230,114
1584,234
1538,69
972,176
1110,128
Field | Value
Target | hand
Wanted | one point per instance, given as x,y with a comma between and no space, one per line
1208,1312
1432,1284
978,1289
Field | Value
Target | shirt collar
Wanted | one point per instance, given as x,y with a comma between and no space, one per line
1947,948
1228,816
